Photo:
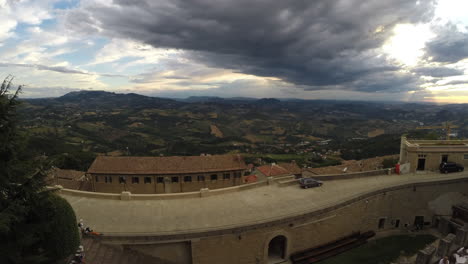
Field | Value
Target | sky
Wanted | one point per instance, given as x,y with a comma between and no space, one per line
371,50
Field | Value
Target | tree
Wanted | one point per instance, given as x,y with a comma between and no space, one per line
28,211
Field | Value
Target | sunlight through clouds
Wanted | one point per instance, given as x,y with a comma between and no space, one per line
379,49
408,42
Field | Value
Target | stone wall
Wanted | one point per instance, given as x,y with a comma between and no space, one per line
249,244
433,159
130,196
341,176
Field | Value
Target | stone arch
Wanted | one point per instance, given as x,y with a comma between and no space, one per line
277,247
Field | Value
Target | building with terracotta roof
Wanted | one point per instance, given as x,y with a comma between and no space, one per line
427,155
273,170
166,174
69,179
292,167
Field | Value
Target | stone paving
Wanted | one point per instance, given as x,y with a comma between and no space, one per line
262,204
96,252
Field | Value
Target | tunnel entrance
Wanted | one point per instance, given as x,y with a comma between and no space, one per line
277,250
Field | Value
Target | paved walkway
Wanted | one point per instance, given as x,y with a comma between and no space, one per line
96,252
262,204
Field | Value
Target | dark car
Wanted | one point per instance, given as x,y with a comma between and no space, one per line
447,167
309,182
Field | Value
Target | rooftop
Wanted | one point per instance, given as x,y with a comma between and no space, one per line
229,210
166,165
273,170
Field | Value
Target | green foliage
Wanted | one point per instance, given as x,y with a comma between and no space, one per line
369,148
389,163
326,163
48,233
60,236
28,213
382,251
423,134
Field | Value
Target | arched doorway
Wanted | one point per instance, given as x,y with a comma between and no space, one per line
277,249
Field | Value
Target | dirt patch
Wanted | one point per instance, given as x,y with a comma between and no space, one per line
375,133
216,132
353,166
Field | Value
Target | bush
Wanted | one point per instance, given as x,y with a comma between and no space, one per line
389,163
60,236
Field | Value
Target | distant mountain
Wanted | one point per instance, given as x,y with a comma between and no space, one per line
201,99
86,123
268,101
216,99
105,100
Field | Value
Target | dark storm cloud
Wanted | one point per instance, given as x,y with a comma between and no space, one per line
449,46
438,71
315,43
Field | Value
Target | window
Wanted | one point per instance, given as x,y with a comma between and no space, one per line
147,179
187,178
108,179
381,223
214,177
226,176
175,179
122,179
97,178
422,155
201,178
465,156
160,179
237,174
135,179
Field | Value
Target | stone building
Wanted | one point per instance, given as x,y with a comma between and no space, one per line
427,155
149,175
266,223
279,170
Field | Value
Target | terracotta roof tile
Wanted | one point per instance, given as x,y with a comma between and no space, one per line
292,167
166,165
272,170
57,173
250,178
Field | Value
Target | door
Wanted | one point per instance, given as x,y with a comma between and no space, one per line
419,221
277,250
421,164
444,158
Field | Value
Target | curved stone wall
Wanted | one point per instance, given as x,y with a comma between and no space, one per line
249,243
167,196
362,213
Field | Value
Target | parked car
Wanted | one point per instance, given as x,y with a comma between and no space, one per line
309,182
446,167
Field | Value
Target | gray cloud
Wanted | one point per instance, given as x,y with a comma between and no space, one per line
59,69
318,43
438,71
457,82
45,92
43,67
450,45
